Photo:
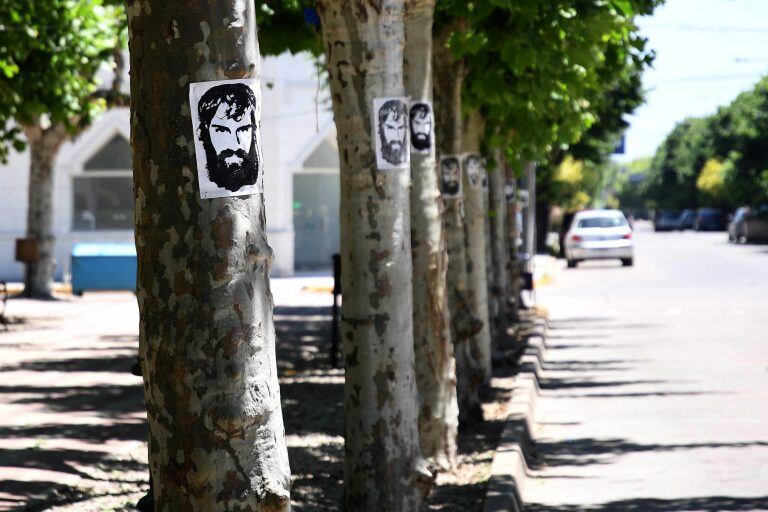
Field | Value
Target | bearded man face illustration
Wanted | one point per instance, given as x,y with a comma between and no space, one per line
392,131
421,127
228,131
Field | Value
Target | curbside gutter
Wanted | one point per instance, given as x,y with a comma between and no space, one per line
509,469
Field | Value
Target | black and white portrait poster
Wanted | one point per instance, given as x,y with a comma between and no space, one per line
450,177
226,119
473,168
422,135
390,131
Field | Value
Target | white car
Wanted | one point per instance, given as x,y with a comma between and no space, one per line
599,234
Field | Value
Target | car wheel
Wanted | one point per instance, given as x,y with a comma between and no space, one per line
627,262
572,263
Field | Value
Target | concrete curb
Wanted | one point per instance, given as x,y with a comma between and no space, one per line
509,469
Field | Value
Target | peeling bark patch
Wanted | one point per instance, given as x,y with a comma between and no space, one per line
373,209
380,323
351,360
382,389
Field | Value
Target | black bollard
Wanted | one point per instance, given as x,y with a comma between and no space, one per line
335,334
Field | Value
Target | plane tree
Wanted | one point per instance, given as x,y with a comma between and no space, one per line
50,57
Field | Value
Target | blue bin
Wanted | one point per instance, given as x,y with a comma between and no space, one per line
103,267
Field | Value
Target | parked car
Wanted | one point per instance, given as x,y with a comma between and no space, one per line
599,234
736,224
666,220
710,219
756,226
687,219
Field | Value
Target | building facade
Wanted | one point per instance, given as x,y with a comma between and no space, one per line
93,197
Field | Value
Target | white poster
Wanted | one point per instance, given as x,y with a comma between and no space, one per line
226,119
473,168
390,131
450,177
422,121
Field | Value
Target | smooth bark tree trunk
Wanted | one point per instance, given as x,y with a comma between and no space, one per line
435,364
477,279
464,324
383,468
493,309
207,339
475,214
43,146
498,244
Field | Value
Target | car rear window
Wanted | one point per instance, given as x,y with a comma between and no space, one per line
602,222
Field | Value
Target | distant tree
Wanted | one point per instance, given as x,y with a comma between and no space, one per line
50,54
711,182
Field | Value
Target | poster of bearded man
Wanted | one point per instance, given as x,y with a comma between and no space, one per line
226,119
473,166
422,136
390,128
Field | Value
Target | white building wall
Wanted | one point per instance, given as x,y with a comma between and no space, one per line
289,123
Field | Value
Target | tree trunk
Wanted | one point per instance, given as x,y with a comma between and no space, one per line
383,467
475,241
493,309
477,282
542,226
464,325
435,364
43,146
512,235
498,243
207,339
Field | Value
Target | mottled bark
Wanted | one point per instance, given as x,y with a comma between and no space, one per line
383,468
43,146
435,364
498,243
449,75
207,339
475,215
477,278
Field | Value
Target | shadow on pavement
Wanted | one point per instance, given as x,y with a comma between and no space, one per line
587,451
697,504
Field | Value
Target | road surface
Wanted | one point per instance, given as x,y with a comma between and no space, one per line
655,389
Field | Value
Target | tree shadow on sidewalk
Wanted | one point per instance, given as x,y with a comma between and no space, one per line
697,504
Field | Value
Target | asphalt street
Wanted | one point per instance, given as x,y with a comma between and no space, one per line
655,385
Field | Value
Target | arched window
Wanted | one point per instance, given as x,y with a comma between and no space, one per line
103,193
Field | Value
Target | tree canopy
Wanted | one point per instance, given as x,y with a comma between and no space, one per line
543,73
50,54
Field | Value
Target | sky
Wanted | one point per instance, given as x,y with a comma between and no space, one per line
707,52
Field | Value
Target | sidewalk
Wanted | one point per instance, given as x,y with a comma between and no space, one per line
72,420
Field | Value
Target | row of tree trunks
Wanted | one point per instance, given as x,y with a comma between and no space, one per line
44,143
383,469
435,364
465,325
207,339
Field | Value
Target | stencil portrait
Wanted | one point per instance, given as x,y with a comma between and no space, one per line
228,131
450,177
421,126
393,131
472,164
